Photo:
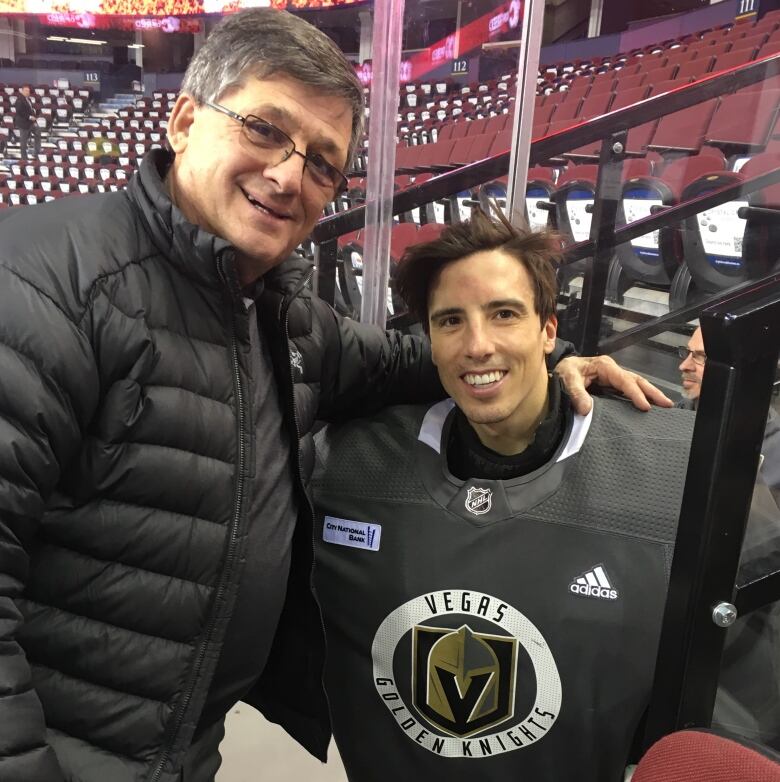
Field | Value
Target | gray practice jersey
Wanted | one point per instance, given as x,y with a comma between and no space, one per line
495,630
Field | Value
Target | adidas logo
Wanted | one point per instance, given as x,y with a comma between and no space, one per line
594,583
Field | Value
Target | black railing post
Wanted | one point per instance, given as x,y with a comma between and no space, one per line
602,234
326,256
741,339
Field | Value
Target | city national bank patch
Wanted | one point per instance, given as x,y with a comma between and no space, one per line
464,674
357,534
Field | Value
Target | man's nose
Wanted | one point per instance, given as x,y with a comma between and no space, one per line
686,365
479,342
287,174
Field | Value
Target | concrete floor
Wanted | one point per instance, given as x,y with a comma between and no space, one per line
255,750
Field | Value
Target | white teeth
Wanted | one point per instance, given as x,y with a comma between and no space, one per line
484,379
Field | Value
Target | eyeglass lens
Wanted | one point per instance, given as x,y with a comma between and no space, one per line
697,356
266,136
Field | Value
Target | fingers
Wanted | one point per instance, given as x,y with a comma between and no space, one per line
573,373
631,388
579,372
654,395
580,400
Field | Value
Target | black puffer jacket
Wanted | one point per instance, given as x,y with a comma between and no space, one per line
125,456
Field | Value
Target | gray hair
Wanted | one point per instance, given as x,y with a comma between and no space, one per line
260,42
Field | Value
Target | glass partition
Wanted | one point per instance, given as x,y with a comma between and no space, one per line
458,80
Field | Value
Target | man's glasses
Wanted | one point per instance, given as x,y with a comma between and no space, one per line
267,137
699,356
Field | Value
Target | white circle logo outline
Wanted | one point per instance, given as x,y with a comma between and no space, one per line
549,690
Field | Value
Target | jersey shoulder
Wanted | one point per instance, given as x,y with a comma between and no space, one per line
372,457
629,476
617,417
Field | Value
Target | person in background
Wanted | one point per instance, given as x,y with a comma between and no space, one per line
24,122
694,359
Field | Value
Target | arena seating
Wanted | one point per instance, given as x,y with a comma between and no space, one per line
82,150
350,256
439,130
442,125
707,756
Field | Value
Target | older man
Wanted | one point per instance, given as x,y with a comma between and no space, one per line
155,447
694,358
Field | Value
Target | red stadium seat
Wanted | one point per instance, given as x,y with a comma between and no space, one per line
762,232
705,756
631,81
477,127
662,74
568,110
695,68
480,149
429,231
459,130
684,130
621,100
679,173
579,87
542,116
502,142
743,122
497,124
732,60
403,235
602,83
460,154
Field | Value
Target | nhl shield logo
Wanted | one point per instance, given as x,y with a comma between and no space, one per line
479,501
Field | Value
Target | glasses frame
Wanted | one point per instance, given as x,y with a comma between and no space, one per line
696,355
338,188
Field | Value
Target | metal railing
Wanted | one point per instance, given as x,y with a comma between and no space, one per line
610,128
742,335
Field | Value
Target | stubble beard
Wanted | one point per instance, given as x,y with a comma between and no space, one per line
692,392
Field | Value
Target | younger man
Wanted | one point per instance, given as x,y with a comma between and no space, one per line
492,569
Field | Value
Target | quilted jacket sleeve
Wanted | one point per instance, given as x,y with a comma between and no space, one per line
48,387
365,368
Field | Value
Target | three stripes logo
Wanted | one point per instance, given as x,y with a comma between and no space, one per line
594,583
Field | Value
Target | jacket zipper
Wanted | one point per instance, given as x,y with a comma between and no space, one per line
283,316
227,572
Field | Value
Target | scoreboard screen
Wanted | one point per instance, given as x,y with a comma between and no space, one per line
81,12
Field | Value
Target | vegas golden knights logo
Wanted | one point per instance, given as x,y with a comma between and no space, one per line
462,681
467,693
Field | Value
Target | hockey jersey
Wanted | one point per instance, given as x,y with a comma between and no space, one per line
494,630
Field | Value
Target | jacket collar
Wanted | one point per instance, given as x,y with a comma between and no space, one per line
207,258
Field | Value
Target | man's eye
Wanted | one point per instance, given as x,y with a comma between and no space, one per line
261,132
319,163
505,314
450,320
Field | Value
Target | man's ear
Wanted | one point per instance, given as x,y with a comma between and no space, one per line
550,330
180,121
